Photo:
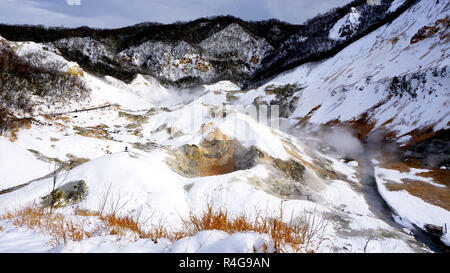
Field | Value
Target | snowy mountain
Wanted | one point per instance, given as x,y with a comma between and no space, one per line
346,26
131,162
208,50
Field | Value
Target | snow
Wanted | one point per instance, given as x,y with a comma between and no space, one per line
142,184
350,20
357,79
395,5
215,241
13,240
249,132
222,85
13,158
112,244
21,240
410,208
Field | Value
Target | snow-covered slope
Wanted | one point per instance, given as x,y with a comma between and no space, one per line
12,160
395,79
146,151
346,26
396,82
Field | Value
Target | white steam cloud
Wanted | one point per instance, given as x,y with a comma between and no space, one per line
345,143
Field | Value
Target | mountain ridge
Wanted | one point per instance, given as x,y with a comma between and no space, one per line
361,136
290,45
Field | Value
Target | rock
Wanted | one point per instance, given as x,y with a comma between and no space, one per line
215,155
67,194
291,168
434,230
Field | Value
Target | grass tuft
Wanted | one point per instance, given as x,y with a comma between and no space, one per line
296,236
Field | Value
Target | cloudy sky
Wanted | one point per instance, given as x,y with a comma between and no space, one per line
119,13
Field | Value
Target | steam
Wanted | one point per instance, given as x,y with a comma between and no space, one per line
174,96
343,141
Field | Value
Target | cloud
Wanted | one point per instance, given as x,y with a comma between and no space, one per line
73,2
119,13
297,12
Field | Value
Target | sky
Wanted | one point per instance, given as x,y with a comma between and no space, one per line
120,13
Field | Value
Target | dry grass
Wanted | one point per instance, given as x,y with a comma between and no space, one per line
363,125
439,176
421,134
85,212
58,226
98,131
10,123
403,167
120,225
63,118
438,196
425,191
304,120
298,236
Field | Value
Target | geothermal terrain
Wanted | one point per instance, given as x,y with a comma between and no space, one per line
221,135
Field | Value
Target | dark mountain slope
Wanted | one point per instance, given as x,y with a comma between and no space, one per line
207,49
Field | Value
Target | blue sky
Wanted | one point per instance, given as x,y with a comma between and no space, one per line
119,13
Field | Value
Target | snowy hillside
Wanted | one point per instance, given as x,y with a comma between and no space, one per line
346,26
207,50
358,161
388,84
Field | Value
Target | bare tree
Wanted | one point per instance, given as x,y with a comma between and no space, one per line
59,176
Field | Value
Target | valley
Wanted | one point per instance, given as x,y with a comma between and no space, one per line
346,153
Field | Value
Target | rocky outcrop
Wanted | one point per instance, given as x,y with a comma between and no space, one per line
94,50
67,194
210,49
417,83
215,155
169,62
235,44
347,26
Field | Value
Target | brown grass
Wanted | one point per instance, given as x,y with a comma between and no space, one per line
65,119
304,120
403,167
56,225
421,134
363,125
425,191
439,176
9,123
47,117
96,132
299,236
13,135
84,212
118,225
